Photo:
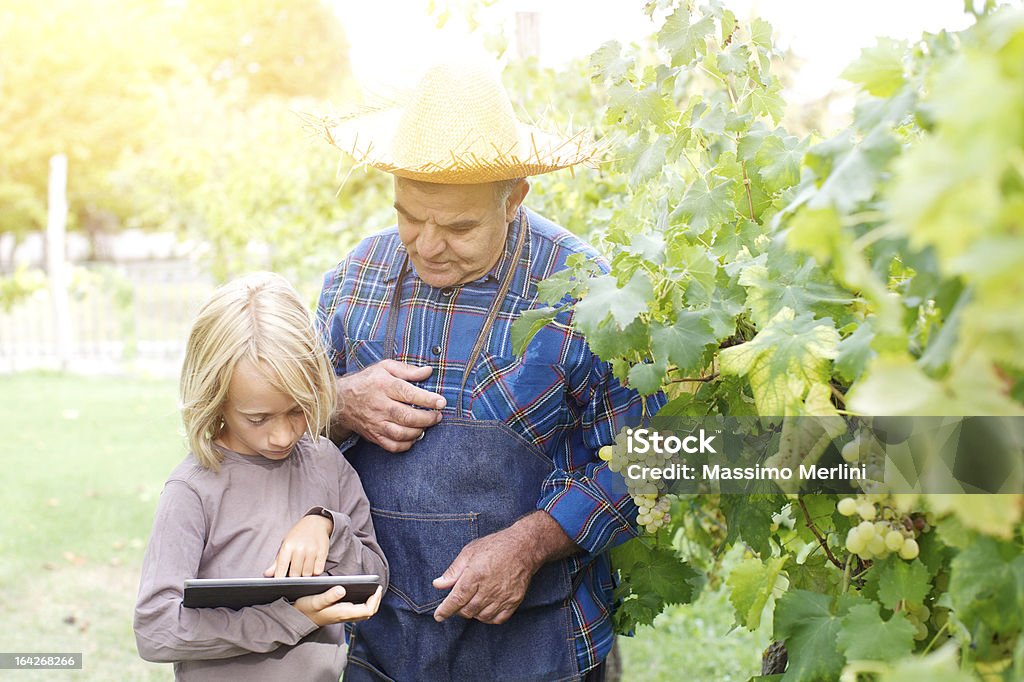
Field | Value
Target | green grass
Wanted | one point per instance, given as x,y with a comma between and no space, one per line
84,462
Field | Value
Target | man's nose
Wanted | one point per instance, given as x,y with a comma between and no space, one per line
430,242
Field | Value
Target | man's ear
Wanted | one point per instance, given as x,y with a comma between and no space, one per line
515,199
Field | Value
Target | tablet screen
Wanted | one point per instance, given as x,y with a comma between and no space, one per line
234,593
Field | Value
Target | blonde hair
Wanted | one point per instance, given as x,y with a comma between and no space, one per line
259,317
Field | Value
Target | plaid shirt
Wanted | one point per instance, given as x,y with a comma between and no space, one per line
558,395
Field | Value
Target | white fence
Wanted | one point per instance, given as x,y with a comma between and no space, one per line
126,318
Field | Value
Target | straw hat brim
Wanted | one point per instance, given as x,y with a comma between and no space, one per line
367,136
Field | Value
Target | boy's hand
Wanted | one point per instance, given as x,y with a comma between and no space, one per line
303,552
325,609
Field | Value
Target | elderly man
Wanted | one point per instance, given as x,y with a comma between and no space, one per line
486,492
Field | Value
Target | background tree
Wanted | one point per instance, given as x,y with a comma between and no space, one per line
111,82
274,47
76,77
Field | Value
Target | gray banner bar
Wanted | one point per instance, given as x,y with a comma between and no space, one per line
833,454
40,661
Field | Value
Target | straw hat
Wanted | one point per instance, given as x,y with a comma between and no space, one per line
457,127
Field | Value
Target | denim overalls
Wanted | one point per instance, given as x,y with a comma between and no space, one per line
464,479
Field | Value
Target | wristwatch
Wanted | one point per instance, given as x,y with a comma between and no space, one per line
320,511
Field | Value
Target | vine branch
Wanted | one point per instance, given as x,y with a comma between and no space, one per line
710,377
824,545
746,188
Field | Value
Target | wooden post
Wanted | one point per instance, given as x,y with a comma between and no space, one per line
56,262
528,34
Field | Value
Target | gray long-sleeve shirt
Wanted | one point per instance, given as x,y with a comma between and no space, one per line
230,524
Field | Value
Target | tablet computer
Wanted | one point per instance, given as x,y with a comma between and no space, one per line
234,593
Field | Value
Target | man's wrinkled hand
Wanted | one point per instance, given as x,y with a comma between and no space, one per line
488,579
380,404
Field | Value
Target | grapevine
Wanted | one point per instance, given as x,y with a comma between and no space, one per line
855,278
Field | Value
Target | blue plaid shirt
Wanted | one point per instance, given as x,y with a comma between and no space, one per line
559,395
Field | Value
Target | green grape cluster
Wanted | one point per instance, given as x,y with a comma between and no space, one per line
654,511
647,494
619,459
880,532
918,616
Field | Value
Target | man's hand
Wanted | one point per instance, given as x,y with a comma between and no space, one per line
377,403
490,575
303,551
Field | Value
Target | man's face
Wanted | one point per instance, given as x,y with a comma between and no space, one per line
454,233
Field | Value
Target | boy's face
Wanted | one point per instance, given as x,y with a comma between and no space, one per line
258,418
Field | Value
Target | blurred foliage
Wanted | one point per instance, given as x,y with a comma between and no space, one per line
179,115
76,77
20,284
246,184
273,47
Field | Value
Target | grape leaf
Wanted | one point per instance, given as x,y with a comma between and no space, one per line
817,232
650,247
773,287
855,352
751,583
651,160
554,289
726,305
942,665
705,206
710,120
879,69
646,377
765,102
987,585
995,515
734,59
608,341
749,517
526,327
779,160
682,39
865,636
646,104
684,342
697,267
751,142
607,62
854,178
784,360
656,571
605,297
902,580
896,385
816,574
809,627
638,609
761,33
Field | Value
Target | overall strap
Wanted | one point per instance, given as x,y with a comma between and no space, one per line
499,299
492,315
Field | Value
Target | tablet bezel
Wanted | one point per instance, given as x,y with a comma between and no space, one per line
236,593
